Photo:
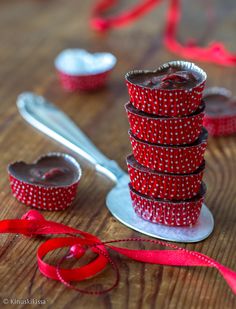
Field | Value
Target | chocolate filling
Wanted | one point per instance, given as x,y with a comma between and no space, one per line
171,77
49,171
219,104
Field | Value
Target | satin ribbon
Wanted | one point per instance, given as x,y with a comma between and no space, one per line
215,52
78,242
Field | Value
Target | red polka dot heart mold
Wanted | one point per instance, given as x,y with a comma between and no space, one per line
164,186
174,89
182,159
80,70
48,184
165,130
173,213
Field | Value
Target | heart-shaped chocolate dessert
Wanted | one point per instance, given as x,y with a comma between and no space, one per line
220,115
173,213
181,159
81,70
165,130
174,89
169,78
164,185
50,183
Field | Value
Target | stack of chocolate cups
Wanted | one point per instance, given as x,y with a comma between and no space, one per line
168,140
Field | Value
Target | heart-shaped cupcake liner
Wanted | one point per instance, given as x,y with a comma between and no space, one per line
182,159
80,70
166,102
220,116
172,213
83,83
164,186
38,195
165,130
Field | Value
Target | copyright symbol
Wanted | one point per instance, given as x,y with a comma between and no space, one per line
5,301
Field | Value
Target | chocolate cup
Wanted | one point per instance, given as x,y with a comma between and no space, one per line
56,193
172,213
172,159
220,116
165,130
77,69
161,185
166,102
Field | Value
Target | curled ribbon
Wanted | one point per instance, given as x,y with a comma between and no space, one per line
215,52
78,242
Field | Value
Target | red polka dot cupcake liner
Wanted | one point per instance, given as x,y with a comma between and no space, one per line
166,102
164,186
83,82
172,213
182,159
79,69
220,116
43,198
220,126
39,196
163,130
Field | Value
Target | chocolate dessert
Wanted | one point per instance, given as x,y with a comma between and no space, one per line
49,171
171,77
220,103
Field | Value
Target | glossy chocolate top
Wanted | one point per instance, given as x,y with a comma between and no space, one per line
49,171
171,77
219,104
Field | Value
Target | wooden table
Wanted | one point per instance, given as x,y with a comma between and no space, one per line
32,33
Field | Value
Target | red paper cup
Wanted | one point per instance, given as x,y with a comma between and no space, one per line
182,159
172,213
220,116
163,130
40,196
164,186
83,82
166,102
80,70
222,126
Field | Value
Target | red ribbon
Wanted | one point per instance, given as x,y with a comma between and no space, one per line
77,242
215,52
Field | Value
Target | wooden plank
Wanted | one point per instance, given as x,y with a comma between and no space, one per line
32,32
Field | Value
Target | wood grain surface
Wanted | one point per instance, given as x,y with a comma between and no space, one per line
32,33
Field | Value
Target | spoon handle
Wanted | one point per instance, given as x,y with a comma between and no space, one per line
47,118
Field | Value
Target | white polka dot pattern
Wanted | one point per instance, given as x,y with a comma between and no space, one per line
44,198
169,159
168,145
182,213
163,186
163,102
165,131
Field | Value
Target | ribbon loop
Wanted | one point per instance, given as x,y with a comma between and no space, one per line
216,53
78,242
